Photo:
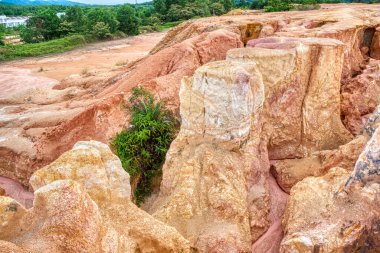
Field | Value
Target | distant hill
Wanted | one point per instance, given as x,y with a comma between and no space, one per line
39,2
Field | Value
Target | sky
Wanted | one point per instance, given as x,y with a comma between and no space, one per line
108,2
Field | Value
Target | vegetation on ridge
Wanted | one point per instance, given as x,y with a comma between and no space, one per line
107,22
286,5
142,147
11,52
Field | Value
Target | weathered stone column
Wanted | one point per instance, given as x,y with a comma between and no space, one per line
205,193
302,93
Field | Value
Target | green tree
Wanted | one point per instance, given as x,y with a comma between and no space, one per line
104,15
101,30
242,3
258,4
128,22
3,29
200,8
217,9
30,35
76,17
228,4
188,11
178,12
66,28
308,2
154,20
160,6
50,24
278,5
43,26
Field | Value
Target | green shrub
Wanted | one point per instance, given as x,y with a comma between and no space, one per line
306,7
217,9
101,30
128,22
149,28
142,147
278,5
258,4
168,25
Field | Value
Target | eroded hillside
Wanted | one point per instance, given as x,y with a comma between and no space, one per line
278,149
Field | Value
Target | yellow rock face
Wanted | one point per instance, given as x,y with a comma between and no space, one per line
215,187
288,172
82,204
95,166
206,190
220,100
302,93
319,217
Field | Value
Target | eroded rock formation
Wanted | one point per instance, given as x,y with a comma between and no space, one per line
83,204
270,104
360,97
34,134
38,126
288,172
209,166
338,212
223,109
317,220
302,93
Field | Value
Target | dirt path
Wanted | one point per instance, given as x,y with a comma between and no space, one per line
103,58
99,59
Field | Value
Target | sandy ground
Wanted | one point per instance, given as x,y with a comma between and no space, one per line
103,58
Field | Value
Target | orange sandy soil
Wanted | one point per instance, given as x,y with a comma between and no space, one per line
102,58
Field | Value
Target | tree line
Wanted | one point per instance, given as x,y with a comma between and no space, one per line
102,22
171,10
286,5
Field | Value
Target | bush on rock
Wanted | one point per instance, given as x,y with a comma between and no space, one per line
142,147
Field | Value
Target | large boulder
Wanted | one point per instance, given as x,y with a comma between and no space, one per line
266,96
63,219
83,204
95,166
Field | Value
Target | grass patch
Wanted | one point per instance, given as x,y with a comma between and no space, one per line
121,63
306,7
168,25
142,147
11,52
